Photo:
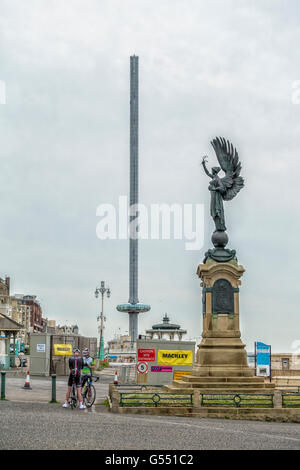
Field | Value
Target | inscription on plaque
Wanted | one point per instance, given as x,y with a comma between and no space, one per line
222,297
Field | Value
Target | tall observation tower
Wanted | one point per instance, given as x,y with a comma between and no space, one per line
133,308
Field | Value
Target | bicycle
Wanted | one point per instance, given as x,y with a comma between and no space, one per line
89,392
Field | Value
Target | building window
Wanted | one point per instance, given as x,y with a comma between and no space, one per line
285,364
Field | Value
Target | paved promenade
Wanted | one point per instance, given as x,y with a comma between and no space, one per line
48,426
41,388
29,421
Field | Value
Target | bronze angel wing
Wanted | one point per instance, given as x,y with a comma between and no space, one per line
229,162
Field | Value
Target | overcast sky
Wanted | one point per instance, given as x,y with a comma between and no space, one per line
224,67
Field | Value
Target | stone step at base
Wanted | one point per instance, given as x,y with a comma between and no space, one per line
219,390
255,414
194,378
222,372
258,414
223,386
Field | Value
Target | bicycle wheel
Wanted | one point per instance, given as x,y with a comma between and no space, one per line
90,396
84,393
73,398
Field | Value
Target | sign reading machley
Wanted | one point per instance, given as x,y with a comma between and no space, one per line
174,357
63,349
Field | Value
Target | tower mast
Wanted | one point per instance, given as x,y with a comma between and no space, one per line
134,192
133,308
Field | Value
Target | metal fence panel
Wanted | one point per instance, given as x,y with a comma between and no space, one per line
238,400
291,400
128,374
156,399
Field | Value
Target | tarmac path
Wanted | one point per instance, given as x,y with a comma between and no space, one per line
29,421
42,386
49,426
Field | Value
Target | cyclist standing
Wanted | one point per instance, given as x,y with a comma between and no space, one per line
75,365
88,366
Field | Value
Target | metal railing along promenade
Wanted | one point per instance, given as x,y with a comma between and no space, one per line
155,399
237,400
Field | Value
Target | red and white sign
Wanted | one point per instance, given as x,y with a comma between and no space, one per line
146,355
142,367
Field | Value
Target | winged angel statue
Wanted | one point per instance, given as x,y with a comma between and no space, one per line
225,188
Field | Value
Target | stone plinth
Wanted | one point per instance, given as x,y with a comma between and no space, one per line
221,352
221,361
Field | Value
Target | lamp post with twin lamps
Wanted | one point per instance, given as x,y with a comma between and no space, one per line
102,290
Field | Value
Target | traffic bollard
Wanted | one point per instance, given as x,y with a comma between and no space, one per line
53,400
3,385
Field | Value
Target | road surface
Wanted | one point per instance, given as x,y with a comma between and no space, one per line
42,386
48,426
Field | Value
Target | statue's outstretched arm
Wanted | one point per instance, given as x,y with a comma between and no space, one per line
205,169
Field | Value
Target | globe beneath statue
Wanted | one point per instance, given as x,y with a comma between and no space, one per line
219,239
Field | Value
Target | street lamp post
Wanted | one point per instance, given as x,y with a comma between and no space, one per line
102,290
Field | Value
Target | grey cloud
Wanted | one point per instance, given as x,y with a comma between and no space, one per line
206,69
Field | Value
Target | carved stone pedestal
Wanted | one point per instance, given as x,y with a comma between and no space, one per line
221,361
221,352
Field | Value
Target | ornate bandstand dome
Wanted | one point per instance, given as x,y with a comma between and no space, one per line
165,330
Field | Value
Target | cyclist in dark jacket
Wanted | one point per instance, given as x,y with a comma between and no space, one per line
75,365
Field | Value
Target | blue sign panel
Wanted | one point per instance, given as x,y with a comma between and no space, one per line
263,352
